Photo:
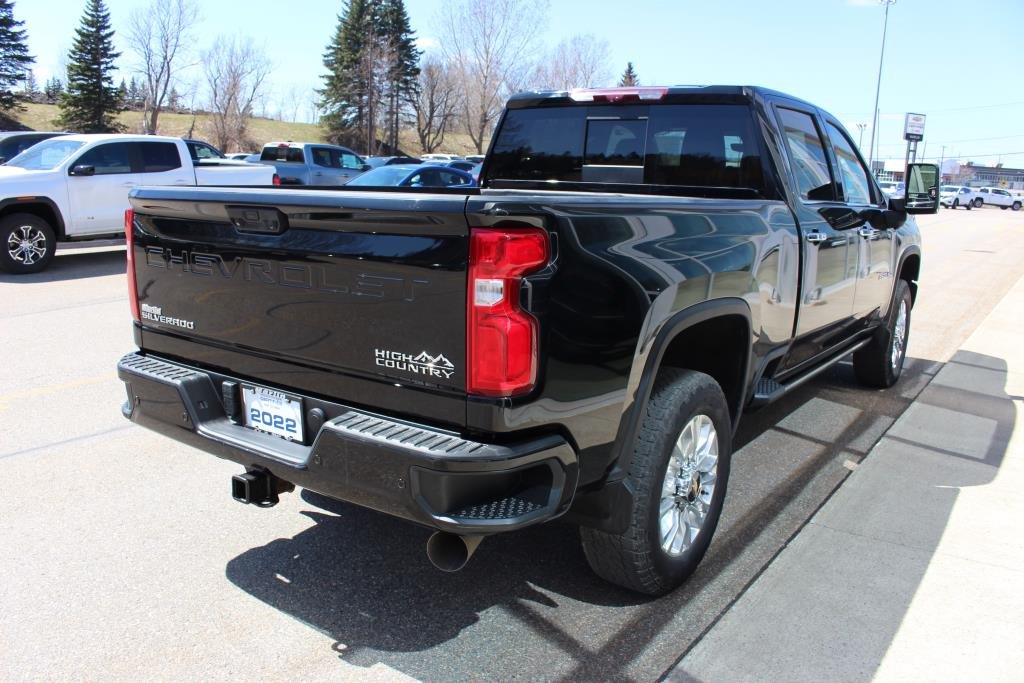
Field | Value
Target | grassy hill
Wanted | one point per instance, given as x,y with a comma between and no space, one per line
41,117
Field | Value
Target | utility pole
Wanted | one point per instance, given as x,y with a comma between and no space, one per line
942,158
878,83
860,138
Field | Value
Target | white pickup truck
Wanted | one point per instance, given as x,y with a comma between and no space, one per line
75,187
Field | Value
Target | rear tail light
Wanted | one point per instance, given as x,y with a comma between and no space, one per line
277,179
616,94
501,338
129,237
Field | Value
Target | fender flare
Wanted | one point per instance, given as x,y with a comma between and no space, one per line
30,200
608,507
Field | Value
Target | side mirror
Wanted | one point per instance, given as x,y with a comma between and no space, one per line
922,188
82,169
367,167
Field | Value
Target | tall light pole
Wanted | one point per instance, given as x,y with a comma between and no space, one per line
878,84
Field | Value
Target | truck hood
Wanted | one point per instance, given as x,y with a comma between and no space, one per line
15,180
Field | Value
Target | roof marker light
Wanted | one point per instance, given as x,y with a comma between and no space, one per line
617,94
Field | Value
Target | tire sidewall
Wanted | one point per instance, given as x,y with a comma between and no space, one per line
703,401
902,295
11,223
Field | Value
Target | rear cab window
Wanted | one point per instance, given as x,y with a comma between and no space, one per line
159,156
282,153
698,149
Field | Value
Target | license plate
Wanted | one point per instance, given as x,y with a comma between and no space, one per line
273,411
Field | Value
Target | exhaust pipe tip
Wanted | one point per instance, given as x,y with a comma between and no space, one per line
450,552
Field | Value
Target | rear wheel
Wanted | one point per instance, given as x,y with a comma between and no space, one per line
27,243
679,470
880,363
956,203
1016,206
969,205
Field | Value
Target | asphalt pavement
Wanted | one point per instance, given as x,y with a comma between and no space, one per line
123,556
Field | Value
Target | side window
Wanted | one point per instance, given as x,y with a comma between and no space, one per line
807,153
159,156
293,154
108,159
202,151
349,160
856,186
322,157
450,179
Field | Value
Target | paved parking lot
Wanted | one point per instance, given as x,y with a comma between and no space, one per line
123,555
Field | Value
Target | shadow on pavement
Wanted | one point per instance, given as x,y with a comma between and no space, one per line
527,605
835,601
74,265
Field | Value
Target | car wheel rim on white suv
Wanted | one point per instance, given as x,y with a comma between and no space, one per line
26,245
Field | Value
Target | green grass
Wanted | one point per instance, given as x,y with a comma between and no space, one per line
41,117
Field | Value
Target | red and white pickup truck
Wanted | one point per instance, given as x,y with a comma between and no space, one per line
75,187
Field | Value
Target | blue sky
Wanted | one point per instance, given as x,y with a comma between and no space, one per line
960,63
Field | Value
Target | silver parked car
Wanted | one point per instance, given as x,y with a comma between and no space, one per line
312,163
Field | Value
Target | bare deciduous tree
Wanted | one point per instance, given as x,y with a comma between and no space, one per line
436,105
579,61
160,34
490,44
235,72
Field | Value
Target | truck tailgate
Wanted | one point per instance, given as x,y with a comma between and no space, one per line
359,283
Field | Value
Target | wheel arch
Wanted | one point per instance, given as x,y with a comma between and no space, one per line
910,270
43,207
683,341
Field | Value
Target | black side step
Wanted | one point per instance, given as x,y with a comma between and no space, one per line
769,390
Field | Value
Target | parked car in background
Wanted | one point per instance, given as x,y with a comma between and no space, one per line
439,157
892,188
75,187
997,196
410,175
14,143
243,156
461,164
952,196
475,158
376,162
312,163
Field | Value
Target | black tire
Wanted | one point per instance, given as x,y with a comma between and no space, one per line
969,205
978,202
635,559
1004,208
1016,206
16,232
956,203
874,365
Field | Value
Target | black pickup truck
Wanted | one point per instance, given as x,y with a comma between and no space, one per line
578,338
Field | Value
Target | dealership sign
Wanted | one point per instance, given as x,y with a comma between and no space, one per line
913,127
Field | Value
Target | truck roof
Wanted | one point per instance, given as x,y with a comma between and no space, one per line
665,93
126,137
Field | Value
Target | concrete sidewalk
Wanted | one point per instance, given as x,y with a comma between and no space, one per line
914,569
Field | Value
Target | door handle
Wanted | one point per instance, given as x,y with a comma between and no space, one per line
867,232
128,184
816,237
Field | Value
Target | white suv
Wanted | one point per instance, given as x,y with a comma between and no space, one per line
953,196
998,197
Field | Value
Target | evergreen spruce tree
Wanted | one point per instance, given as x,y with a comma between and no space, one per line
343,94
134,98
91,102
403,72
122,94
14,57
372,66
31,88
53,89
629,77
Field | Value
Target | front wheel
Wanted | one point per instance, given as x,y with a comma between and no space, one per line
880,363
679,469
1016,206
978,203
27,243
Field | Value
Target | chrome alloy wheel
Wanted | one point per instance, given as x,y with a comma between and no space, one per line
689,485
899,335
26,245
